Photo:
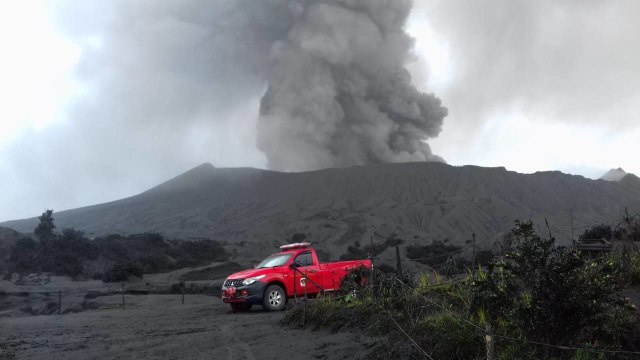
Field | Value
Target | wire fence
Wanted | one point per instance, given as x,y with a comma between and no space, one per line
483,331
485,335
65,300
410,338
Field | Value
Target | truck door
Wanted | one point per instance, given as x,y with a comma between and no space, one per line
305,265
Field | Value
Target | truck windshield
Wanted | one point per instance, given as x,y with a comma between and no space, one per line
274,260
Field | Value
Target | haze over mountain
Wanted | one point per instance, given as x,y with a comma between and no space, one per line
614,175
417,202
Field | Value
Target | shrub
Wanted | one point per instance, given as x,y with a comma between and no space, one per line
22,256
122,272
635,269
448,337
356,252
333,313
440,256
44,229
155,263
552,295
386,268
597,232
201,252
68,252
64,263
536,293
484,257
297,237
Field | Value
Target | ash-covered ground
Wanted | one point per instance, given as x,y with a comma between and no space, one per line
152,325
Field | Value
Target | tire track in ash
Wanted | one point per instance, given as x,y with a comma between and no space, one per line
236,348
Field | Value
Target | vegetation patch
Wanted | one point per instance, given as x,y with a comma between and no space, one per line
356,251
537,301
212,272
110,258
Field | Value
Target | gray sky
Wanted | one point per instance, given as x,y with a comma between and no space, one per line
105,99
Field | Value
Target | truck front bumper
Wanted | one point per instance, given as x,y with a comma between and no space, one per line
250,294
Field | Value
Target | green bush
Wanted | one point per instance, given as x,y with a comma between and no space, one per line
535,293
552,295
395,298
334,313
634,268
447,336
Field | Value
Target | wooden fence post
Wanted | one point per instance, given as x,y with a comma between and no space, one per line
573,240
491,345
630,226
295,289
304,314
373,278
398,261
182,285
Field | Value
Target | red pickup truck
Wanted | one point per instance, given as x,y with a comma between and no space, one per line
284,275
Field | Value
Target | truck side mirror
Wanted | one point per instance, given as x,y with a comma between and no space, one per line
294,265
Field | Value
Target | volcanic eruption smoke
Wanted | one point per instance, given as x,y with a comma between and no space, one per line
338,92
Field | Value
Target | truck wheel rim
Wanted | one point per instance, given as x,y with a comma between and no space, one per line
275,298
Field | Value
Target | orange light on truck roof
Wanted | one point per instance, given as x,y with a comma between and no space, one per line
303,245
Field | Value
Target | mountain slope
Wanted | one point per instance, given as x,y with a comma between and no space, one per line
614,175
414,201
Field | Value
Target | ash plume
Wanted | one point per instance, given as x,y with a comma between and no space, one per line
338,92
180,82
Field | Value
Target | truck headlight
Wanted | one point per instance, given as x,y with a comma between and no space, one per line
251,280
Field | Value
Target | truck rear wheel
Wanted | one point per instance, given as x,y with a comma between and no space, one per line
240,307
274,298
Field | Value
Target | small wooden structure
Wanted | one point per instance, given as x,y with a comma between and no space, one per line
594,246
599,247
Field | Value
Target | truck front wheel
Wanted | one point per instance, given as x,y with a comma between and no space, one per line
274,298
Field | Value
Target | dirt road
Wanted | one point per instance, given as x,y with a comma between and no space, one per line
159,327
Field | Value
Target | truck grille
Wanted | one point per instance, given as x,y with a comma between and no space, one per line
234,283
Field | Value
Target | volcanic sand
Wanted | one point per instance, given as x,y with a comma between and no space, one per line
159,326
